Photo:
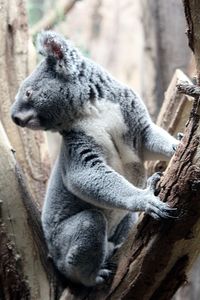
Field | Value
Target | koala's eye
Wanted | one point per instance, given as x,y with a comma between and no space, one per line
29,93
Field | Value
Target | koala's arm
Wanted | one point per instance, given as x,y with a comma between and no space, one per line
158,143
91,179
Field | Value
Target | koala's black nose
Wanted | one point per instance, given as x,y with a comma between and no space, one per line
21,119
16,120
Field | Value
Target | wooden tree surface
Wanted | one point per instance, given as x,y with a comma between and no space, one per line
30,146
16,233
24,269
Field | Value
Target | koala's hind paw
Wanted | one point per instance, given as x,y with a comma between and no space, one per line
102,276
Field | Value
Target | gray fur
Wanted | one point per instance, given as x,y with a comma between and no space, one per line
98,180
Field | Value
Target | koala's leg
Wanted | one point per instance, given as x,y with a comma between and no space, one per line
86,234
120,235
158,143
123,229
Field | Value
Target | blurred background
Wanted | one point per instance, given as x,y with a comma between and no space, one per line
141,42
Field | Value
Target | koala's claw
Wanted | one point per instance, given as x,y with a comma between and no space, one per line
179,136
156,208
159,211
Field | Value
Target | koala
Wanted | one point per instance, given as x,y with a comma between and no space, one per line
98,183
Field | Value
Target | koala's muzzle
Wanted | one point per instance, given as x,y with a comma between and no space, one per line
22,118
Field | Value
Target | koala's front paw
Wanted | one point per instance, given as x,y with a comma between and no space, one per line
154,207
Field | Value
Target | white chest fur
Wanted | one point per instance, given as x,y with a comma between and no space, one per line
105,123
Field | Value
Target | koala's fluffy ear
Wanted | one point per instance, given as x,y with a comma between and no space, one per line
51,44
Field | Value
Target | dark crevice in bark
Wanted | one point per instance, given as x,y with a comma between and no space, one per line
13,284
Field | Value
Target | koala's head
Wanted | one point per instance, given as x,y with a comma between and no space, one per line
41,102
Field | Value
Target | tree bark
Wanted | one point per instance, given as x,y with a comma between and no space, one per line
24,267
25,271
31,147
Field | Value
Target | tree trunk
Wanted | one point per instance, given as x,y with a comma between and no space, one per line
30,146
162,20
25,272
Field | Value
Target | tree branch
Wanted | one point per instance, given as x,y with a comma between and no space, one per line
31,147
23,247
